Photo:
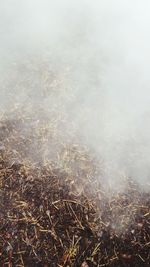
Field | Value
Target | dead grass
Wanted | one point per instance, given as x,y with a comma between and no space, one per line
57,213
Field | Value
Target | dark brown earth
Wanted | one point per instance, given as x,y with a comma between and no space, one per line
63,216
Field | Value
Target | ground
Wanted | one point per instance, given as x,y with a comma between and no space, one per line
61,214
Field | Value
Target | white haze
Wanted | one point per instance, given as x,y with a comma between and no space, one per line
104,48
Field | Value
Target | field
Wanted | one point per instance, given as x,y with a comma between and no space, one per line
58,212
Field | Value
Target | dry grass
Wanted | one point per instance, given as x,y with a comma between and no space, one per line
57,213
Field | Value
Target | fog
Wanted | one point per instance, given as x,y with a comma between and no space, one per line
99,52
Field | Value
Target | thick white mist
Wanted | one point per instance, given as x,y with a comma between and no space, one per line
100,49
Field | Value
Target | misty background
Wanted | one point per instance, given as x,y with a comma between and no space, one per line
87,63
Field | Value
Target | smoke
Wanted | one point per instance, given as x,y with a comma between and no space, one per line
92,60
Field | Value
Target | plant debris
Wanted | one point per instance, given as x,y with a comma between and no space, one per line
59,213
